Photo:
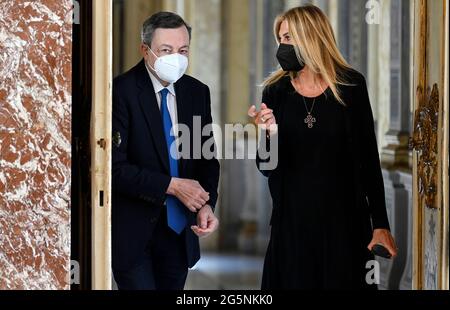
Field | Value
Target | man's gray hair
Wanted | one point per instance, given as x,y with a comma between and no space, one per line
165,20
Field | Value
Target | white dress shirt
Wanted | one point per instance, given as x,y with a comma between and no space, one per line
171,97
171,102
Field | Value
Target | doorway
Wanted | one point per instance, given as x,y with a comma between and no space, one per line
91,169
81,161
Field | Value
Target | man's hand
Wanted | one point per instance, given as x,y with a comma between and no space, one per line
384,237
189,192
207,222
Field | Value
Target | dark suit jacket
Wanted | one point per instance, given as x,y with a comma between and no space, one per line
361,143
140,165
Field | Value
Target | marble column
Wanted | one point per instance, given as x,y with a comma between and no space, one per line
396,152
235,98
206,52
264,62
332,13
372,65
381,102
343,31
35,143
289,4
393,83
135,12
236,42
250,57
398,198
406,279
271,9
353,33
322,4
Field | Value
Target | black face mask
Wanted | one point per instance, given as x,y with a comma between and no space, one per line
288,58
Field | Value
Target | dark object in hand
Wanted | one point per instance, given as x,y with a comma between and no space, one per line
380,250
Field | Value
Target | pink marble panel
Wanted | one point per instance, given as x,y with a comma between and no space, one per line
35,143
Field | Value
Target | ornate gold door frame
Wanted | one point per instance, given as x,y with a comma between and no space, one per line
445,166
446,241
430,142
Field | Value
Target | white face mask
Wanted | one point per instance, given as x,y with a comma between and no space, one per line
170,68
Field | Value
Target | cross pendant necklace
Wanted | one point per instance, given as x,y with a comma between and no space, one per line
310,120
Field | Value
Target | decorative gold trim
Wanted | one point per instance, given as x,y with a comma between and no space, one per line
430,142
420,57
444,255
425,143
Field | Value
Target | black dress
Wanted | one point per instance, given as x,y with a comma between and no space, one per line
319,234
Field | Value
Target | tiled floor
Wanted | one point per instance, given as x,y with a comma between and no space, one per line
225,272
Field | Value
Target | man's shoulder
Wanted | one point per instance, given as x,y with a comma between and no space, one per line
191,82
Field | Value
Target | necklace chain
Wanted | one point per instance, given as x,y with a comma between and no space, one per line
310,120
306,106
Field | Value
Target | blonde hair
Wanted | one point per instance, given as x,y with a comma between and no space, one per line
314,39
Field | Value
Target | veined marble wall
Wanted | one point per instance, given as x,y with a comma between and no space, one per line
35,143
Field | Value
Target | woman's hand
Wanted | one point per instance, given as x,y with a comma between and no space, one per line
384,237
264,118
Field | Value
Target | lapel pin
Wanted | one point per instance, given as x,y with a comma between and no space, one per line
117,140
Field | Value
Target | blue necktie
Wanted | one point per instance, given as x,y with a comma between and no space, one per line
176,216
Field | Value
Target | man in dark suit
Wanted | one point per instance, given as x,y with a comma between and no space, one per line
161,202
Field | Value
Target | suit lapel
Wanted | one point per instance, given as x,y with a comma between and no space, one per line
185,114
151,111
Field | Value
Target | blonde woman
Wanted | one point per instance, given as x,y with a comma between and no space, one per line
328,195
